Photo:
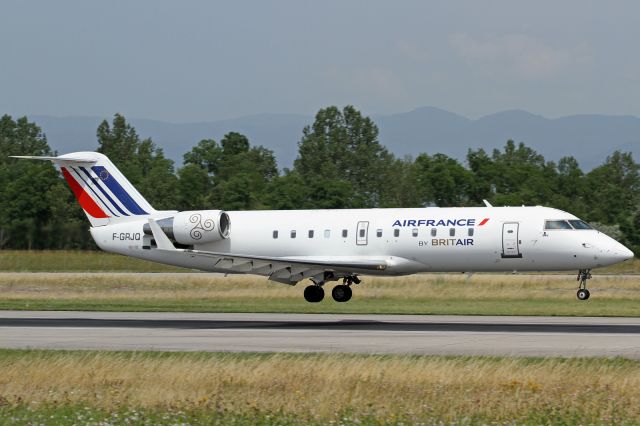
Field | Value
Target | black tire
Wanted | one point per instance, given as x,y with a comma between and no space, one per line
313,294
341,293
583,294
348,294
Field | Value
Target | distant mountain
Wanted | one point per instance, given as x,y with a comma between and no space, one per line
279,132
589,138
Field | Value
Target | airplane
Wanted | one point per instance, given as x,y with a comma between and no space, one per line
289,246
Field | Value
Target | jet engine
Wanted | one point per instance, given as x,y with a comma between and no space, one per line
194,227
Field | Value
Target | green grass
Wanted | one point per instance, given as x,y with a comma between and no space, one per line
482,294
98,261
148,388
418,294
66,415
538,307
78,261
500,389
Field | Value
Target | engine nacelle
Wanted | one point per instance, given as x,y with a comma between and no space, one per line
195,227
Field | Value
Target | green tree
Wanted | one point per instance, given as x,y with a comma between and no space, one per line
482,167
286,192
194,186
442,181
35,207
206,154
142,163
570,190
237,173
343,146
514,176
614,189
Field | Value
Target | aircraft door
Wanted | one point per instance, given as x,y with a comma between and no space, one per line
510,242
362,232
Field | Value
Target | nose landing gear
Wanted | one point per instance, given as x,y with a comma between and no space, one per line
583,276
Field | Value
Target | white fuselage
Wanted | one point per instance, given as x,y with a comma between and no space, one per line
411,240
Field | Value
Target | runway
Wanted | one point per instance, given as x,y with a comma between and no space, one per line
373,334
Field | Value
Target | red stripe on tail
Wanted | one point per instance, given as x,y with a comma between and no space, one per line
83,198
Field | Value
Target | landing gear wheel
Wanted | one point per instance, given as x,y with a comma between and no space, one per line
583,294
313,294
341,293
583,276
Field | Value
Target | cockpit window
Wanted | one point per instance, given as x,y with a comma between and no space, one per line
580,224
556,224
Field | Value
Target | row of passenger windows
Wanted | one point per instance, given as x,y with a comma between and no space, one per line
396,233
566,224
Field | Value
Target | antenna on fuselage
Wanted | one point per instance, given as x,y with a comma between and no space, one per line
486,203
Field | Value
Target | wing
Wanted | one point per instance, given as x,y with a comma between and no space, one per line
288,270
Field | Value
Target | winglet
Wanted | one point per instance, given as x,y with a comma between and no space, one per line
162,241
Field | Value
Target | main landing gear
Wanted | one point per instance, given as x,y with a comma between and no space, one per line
583,276
340,293
313,293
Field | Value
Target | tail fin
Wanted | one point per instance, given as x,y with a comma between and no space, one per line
104,194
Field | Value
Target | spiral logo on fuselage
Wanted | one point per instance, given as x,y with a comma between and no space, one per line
200,226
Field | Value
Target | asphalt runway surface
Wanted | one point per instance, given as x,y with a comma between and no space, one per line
372,334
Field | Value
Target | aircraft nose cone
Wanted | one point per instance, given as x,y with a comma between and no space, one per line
618,252
626,253
610,251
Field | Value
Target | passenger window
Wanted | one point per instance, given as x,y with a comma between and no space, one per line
378,233
580,224
275,234
452,232
362,233
396,232
310,233
414,232
470,232
434,232
293,234
327,233
345,233
556,224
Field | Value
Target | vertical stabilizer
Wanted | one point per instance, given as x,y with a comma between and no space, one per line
104,194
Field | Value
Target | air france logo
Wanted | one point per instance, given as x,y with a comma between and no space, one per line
436,226
439,222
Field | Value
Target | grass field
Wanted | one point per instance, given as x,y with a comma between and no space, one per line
174,289
126,388
98,261
79,261
419,294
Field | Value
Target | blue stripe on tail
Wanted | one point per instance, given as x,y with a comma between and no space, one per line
97,182
93,191
117,190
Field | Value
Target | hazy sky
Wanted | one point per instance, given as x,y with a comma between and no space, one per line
205,60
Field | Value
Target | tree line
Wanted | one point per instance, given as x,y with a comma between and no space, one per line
341,163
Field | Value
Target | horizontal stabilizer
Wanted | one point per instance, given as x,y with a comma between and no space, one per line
60,159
